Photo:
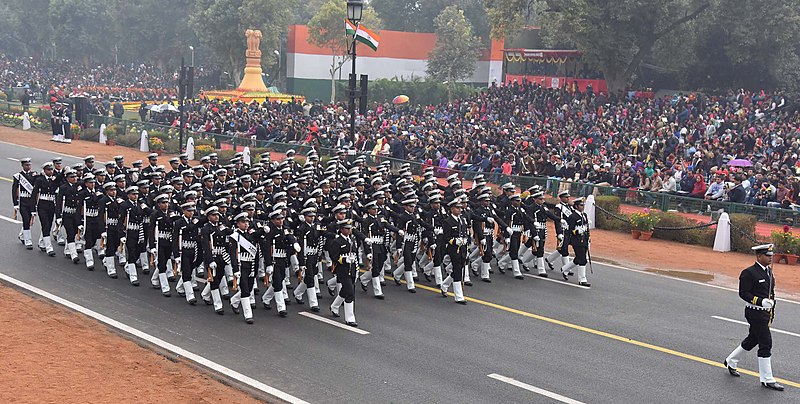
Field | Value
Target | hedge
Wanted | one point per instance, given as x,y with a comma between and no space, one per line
747,223
606,222
702,236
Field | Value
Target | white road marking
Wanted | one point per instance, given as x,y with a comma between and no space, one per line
574,285
333,323
730,320
534,389
159,342
10,220
12,159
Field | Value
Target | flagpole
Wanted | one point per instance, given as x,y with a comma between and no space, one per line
353,87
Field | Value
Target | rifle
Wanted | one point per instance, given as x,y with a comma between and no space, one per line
124,245
589,255
15,214
154,257
211,271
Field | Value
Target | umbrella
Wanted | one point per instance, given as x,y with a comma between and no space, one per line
400,99
740,163
162,108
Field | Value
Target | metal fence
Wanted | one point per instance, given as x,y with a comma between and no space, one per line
662,201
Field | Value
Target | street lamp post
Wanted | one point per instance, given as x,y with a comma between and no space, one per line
191,48
354,9
278,77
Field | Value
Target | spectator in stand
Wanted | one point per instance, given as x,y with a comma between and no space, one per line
716,190
699,188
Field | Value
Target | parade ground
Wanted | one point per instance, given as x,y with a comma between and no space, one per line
654,328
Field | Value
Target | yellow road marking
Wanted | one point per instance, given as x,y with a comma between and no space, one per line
6,179
615,337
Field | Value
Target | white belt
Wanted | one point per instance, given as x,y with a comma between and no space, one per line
218,250
517,229
245,258
349,258
47,197
133,227
461,241
310,251
410,237
754,307
540,225
91,212
581,229
375,240
438,231
112,222
69,210
24,194
188,244
164,235
279,253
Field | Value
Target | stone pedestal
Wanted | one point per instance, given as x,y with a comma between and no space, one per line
252,80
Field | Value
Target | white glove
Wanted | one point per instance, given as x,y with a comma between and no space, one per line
16,208
122,240
80,228
536,239
34,213
433,246
490,220
58,221
269,269
177,262
297,247
104,235
401,233
212,266
768,303
561,237
509,230
483,242
369,257
153,251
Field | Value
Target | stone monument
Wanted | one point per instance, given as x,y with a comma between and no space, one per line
252,80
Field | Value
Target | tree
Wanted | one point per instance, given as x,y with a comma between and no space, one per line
148,31
456,50
326,30
76,35
418,16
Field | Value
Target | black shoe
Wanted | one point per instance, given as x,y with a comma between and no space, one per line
380,297
29,247
462,302
544,275
51,254
427,277
267,306
731,370
193,301
90,268
502,270
563,275
208,302
363,286
331,291
155,286
383,283
570,273
491,272
773,386
520,277
196,288
221,312
468,283
289,286
352,324
135,283
587,284
172,278
145,271
201,275
315,309
248,320
235,310
549,265
282,313
444,294
181,294
474,272
412,291
43,249
113,276
61,243
487,280
299,301
526,269
76,260
334,314
226,296
397,281
166,294
287,301
416,279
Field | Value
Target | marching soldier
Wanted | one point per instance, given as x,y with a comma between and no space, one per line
131,222
757,289
280,245
409,223
578,228
90,199
22,197
185,250
375,229
564,210
343,251
307,234
45,189
540,214
456,235
160,243
245,262
109,211
214,238
68,215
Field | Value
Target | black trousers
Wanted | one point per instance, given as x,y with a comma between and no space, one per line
112,242
563,246
409,256
134,243
538,245
379,256
457,258
91,232
70,224
438,253
247,276
345,278
217,274
759,333
279,266
189,261
513,249
25,209
488,251
164,251
580,254
311,270
46,215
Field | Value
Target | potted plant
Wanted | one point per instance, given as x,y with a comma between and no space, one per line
644,223
783,240
156,145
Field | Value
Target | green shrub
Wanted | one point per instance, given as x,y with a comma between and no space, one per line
703,236
606,222
418,90
747,224
3,96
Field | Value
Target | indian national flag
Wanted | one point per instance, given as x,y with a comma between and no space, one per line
362,35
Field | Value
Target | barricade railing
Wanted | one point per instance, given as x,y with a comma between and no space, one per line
552,185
